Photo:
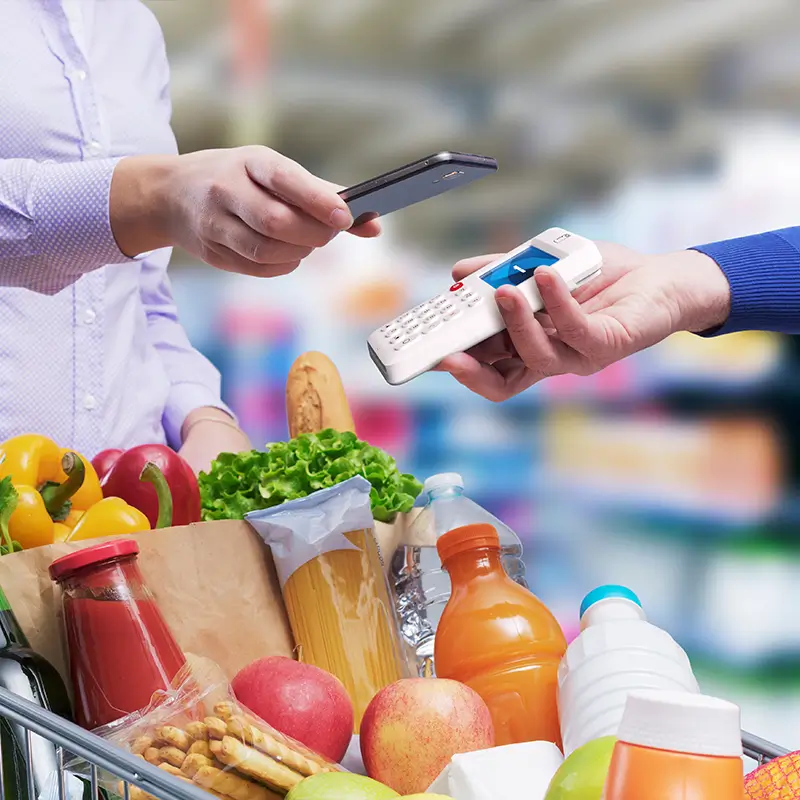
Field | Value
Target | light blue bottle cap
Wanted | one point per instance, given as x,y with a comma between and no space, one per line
604,592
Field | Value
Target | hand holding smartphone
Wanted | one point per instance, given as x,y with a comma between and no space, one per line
415,182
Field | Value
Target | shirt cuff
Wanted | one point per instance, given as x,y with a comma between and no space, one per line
70,204
764,275
183,399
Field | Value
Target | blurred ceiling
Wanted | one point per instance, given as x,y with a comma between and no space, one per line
570,96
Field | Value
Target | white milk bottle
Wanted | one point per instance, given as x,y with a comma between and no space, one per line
618,651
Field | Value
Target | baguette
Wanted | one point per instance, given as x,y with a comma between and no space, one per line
315,397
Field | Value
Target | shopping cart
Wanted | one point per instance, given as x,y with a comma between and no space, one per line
759,749
99,754
71,741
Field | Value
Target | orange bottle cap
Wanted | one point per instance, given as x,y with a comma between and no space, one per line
467,537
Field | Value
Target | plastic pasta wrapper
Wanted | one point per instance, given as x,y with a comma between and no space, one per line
198,732
335,589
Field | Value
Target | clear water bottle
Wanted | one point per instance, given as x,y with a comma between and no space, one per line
421,586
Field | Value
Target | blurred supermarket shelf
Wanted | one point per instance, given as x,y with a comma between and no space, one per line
571,96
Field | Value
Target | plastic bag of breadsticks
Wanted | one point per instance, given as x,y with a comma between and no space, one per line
198,732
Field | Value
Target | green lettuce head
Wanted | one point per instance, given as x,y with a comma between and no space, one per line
243,482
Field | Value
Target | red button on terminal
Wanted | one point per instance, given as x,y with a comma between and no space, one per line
456,286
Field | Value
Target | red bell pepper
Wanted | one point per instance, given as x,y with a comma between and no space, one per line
119,473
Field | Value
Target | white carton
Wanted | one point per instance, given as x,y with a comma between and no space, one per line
500,772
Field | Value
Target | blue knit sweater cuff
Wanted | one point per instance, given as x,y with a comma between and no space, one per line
764,275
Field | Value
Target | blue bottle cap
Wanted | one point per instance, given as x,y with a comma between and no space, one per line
604,592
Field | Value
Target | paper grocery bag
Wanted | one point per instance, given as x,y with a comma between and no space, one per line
214,582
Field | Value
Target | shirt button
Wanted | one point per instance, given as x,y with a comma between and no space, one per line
95,148
89,316
89,403
80,75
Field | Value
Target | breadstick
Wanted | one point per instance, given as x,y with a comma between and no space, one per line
153,755
171,755
256,765
170,736
194,762
225,710
269,745
141,745
216,727
199,748
232,785
198,731
173,771
134,792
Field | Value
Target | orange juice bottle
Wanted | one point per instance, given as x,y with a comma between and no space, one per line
676,745
499,639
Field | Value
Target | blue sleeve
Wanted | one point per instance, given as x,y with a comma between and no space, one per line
764,275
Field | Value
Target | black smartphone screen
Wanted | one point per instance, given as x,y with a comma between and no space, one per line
414,183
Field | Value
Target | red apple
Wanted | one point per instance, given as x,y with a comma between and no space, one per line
413,727
299,700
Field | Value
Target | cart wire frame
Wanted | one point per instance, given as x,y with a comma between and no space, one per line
132,770
760,750
98,753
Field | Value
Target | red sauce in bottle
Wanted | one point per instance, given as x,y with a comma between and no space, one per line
120,648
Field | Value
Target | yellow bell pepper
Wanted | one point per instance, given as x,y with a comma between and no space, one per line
47,494
110,517
57,497
114,517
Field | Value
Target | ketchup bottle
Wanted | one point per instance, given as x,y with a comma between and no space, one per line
499,639
120,648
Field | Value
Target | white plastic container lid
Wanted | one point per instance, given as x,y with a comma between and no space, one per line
442,481
682,722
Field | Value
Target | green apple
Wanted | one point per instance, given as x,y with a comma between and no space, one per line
426,796
583,773
340,786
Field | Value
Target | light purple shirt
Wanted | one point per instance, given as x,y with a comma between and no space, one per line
91,355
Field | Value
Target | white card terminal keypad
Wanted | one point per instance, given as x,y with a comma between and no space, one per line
467,314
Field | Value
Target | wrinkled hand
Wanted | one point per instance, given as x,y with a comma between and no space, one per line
245,209
636,302
209,432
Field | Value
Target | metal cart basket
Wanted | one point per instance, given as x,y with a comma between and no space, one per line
99,754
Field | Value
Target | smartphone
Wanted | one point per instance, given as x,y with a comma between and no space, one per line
415,182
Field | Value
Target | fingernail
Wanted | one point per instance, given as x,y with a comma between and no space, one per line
505,303
341,219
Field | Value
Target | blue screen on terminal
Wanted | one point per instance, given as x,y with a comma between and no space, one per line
518,269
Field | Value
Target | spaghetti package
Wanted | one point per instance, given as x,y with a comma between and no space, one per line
198,732
335,589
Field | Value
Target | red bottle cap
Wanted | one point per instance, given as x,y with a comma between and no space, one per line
90,556
468,537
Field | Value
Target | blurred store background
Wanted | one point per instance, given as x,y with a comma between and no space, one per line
658,124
